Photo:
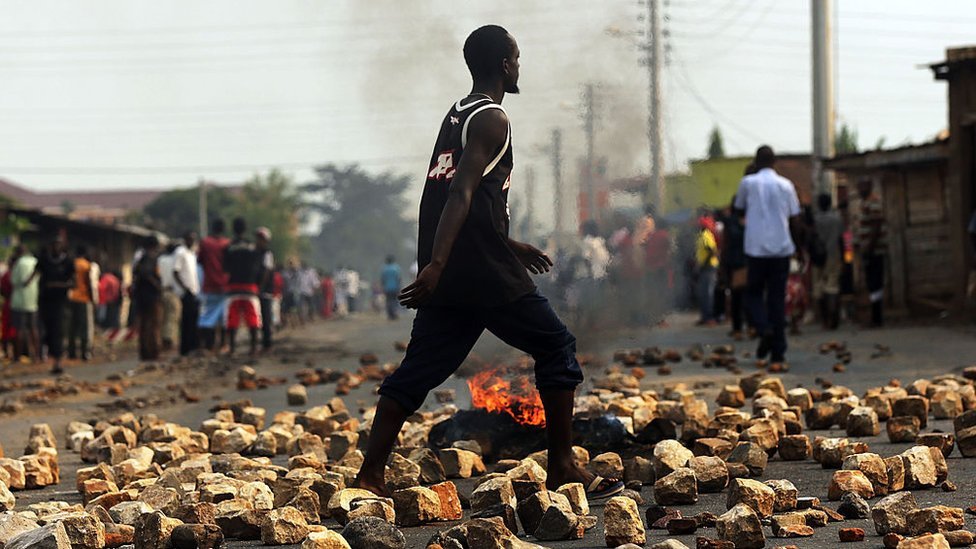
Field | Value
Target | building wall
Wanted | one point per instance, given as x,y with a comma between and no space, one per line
961,192
713,181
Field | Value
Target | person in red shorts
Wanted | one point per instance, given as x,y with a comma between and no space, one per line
242,263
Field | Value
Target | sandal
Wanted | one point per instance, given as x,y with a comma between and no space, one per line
610,487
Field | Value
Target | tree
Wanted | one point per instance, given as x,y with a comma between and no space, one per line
845,142
177,211
716,147
274,202
362,218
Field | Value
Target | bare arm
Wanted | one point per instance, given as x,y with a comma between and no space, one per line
488,131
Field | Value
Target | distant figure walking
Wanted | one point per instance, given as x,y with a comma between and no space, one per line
390,279
771,209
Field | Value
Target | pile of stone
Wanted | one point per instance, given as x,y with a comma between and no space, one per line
244,474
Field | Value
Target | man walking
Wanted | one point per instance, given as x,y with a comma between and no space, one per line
390,279
771,209
187,289
474,277
871,241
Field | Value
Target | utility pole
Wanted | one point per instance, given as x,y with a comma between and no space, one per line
655,128
557,178
823,92
203,208
588,127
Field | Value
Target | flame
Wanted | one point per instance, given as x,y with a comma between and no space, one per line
518,398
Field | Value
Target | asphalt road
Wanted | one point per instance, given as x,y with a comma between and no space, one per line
917,351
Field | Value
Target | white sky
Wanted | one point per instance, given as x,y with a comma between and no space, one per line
140,93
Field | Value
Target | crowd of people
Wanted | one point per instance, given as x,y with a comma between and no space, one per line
187,296
760,264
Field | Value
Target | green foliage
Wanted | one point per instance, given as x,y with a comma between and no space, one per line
177,211
845,142
362,219
274,202
716,146
271,200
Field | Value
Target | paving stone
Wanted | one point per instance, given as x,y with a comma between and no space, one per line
759,497
417,505
373,533
622,523
928,541
863,422
794,447
784,495
192,536
51,536
460,463
891,513
903,428
680,487
740,525
711,473
847,535
283,526
920,469
853,506
751,455
558,522
153,530
938,518
325,539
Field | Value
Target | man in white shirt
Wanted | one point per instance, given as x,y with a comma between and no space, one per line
187,288
771,209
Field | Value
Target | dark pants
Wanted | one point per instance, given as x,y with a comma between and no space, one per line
766,299
736,308
52,317
874,277
706,292
78,315
150,326
267,323
189,317
442,338
392,305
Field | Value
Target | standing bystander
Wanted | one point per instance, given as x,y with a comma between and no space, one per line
390,279
187,287
262,241
147,293
57,276
243,264
24,303
872,244
172,305
826,256
212,298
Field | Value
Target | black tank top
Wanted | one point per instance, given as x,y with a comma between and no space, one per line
482,269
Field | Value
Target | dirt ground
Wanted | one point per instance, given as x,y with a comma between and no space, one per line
916,351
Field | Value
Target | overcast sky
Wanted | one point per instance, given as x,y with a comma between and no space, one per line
140,93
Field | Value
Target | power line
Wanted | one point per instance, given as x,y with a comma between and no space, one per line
148,170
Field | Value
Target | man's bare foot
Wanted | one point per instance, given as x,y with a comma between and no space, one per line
378,488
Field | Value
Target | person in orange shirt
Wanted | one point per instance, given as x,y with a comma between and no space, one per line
80,299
